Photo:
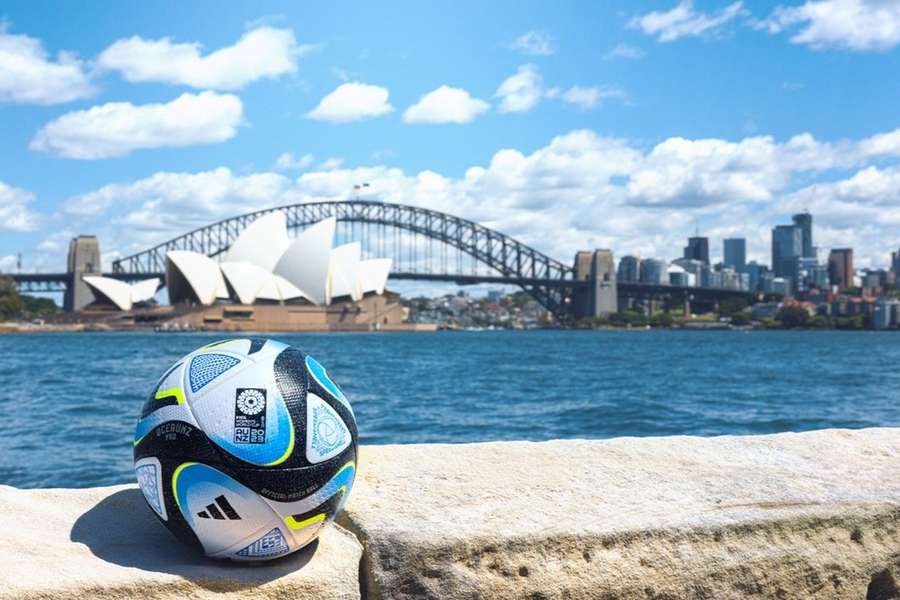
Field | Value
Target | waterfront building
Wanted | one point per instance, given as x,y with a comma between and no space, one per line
629,268
885,313
761,310
770,284
735,252
119,294
653,270
818,276
697,249
729,277
264,264
874,280
692,267
787,246
803,222
679,277
754,271
840,268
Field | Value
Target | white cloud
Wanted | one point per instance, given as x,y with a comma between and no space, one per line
262,53
117,128
8,263
330,164
522,91
29,76
684,21
706,172
534,43
173,201
592,191
445,105
625,51
859,25
590,97
287,162
14,212
352,102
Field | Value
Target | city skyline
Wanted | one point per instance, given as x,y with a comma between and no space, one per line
621,126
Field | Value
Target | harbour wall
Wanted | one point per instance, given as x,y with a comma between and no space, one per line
795,515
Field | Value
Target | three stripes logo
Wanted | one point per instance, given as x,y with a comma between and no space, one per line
219,509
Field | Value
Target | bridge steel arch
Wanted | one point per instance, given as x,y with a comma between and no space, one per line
549,281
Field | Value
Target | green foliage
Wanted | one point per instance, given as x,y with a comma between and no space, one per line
731,306
14,306
663,319
854,322
10,302
518,299
38,308
821,322
742,318
792,317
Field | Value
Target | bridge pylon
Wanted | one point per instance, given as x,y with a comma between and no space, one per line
83,259
601,296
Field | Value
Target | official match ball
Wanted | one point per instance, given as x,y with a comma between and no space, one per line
246,449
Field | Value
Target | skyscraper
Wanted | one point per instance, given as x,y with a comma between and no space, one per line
736,253
840,268
698,249
787,246
803,221
629,268
653,270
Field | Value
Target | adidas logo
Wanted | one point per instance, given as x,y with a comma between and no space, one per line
219,506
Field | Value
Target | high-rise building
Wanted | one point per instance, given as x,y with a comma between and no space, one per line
787,246
629,268
698,249
736,253
754,272
803,221
840,268
654,270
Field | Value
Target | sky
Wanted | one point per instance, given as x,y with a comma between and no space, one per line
568,125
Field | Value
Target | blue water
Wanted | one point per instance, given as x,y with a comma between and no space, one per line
68,402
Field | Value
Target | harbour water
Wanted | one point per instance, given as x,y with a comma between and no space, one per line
68,402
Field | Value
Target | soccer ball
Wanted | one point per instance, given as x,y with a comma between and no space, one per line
246,449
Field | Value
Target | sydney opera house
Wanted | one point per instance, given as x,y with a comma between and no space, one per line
267,281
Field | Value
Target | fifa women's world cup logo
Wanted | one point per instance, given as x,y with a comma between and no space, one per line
250,416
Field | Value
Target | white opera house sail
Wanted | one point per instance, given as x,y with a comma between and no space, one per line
120,294
265,265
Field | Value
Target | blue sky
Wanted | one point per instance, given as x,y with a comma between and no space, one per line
569,125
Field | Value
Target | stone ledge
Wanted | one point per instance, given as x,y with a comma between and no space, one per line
811,515
105,542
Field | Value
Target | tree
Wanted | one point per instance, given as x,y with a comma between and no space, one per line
11,305
730,306
741,318
663,319
38,308
792,317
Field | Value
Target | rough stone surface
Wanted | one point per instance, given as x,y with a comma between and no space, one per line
105,542
811,515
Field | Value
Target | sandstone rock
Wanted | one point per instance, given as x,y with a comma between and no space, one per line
105,542
811,515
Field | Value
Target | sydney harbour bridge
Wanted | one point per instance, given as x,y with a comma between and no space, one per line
425,245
